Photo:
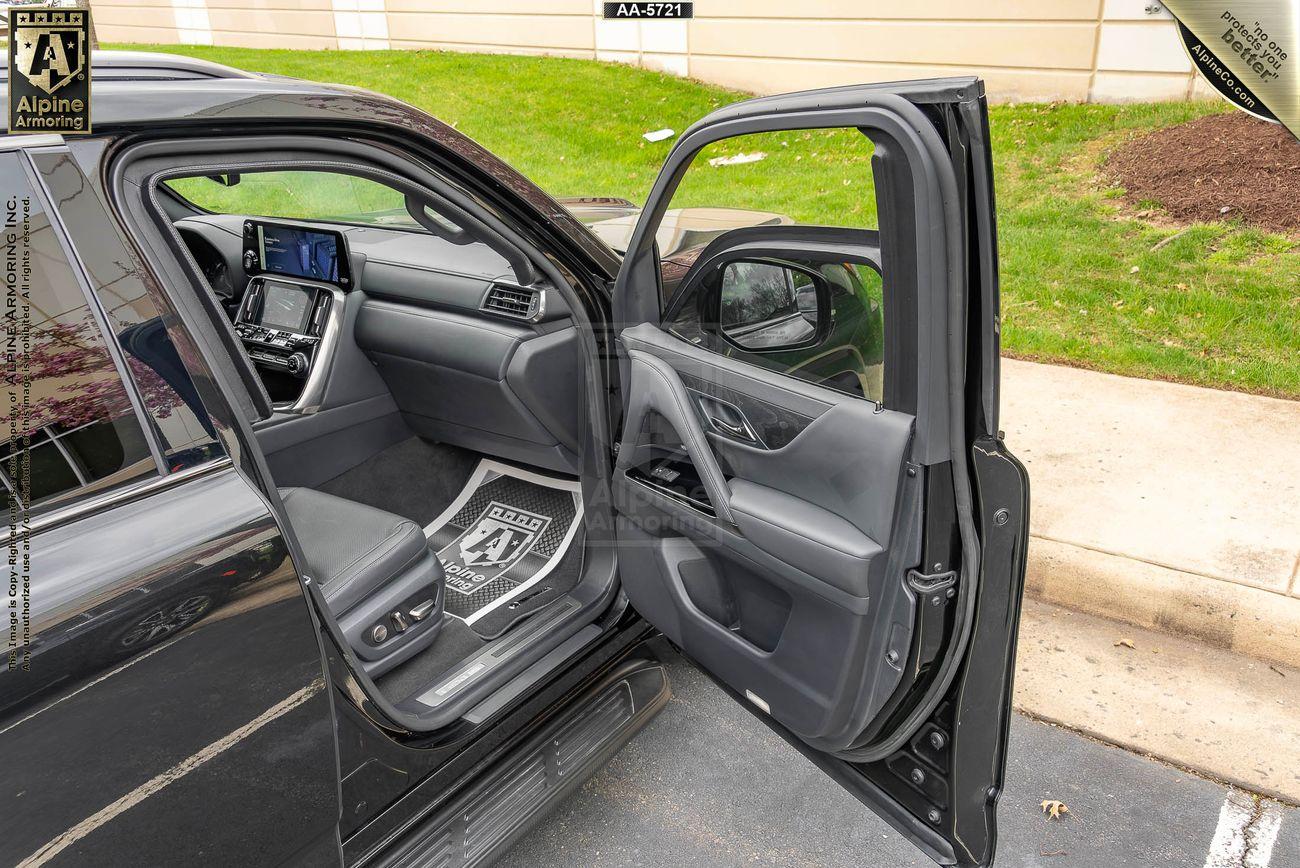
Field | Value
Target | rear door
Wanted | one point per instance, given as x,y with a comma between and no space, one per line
814,501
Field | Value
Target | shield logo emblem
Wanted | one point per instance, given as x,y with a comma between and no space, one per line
501,535
492,543
50,55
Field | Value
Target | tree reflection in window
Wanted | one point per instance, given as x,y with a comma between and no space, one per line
81,426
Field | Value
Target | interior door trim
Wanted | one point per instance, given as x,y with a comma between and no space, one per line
655,386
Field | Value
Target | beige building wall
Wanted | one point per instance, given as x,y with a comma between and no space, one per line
1101,50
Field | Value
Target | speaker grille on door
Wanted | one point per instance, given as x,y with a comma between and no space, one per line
513,301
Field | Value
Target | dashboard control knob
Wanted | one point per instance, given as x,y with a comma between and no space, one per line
378,634
297,364
250,260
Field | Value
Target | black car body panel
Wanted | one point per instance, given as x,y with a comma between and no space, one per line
111,736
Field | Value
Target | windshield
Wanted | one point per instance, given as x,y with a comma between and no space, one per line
298,195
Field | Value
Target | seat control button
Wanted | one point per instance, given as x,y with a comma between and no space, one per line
399,621
378,634
421,611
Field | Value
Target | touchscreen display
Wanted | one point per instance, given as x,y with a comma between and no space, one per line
285,306
299,252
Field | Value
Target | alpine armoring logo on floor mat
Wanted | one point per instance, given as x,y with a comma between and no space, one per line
498,538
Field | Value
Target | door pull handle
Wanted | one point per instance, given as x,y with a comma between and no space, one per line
738,431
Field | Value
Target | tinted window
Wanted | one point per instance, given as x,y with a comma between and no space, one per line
767,314
70,428
158,352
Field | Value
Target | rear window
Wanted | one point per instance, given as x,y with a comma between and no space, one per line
70,426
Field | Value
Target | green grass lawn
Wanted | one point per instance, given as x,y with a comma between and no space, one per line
1082,283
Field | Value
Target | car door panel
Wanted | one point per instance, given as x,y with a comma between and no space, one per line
803,535
656,389
792,566
841,468
818,553
237,697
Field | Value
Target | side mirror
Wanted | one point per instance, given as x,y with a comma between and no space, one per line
768,305
227,179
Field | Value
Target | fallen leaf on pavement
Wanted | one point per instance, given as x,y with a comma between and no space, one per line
1124,643
1054,809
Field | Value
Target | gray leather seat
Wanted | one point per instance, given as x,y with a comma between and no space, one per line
375,570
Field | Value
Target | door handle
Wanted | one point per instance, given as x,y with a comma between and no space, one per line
725,418
737,431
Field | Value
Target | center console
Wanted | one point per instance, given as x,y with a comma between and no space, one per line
288,316
281,323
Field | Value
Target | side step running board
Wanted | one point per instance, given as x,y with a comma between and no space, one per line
510,798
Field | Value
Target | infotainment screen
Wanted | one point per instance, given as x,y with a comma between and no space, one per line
286,306
298,251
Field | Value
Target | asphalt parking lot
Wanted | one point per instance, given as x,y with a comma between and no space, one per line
707,784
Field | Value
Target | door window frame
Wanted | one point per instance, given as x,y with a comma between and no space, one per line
916,251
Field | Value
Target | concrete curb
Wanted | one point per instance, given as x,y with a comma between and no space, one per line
1236,617
1219,714
1163,505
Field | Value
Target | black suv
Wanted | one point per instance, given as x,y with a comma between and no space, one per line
357,489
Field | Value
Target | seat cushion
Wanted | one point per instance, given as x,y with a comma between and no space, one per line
352,550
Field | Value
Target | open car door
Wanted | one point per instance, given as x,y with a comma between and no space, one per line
814,501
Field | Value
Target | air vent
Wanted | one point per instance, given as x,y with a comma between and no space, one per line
513,301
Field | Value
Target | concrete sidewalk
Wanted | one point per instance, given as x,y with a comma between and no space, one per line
1163,505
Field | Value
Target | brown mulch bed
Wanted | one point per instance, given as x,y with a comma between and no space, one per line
1197,169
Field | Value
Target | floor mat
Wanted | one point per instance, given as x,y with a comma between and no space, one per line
561,581
503,535
415,479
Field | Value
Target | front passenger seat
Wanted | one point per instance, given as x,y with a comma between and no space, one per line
382,582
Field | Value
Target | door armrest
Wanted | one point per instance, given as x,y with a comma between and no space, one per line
804,535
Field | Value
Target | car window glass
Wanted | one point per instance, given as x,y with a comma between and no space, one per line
806,177
158,352
70,428
304,195
801,177
767,313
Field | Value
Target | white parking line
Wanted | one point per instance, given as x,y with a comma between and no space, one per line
1246,832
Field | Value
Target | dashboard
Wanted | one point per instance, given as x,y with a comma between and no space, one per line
212,262
400,264
469,355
